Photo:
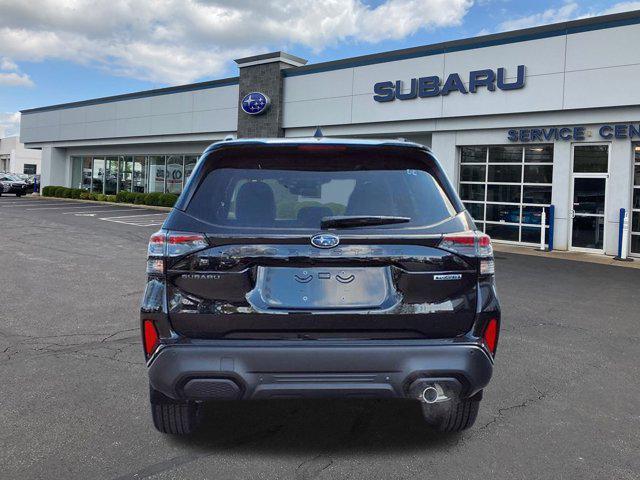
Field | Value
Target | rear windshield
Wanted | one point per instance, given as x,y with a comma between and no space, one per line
268,195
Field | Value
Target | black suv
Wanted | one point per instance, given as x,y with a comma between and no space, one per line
10,183
319,268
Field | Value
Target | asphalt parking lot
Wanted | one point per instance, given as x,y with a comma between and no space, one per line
563,404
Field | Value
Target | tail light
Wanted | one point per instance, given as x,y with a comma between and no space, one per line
150,337
471,244
490,335
165,244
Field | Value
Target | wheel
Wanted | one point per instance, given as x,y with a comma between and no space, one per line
172,416
451,416
18,195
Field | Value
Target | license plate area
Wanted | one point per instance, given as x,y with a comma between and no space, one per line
321,289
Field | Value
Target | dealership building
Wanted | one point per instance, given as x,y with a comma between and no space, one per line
521,121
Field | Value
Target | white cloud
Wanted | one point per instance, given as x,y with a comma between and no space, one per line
621,7
7,64
571,10
176,41
11,76
551,15
10,123
13,79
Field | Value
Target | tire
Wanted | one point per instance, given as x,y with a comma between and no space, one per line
172,416
451,416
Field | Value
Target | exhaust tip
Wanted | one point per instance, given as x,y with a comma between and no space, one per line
430,394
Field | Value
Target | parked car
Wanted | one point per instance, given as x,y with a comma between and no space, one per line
319,268
12,184
28,179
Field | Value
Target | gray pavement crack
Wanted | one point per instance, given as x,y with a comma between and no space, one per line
41,347
527,402
312,468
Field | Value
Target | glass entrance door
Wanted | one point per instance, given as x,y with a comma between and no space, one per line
588,219
590,174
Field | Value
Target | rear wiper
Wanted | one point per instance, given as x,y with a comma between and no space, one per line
347,221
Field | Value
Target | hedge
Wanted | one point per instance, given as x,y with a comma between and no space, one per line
154,198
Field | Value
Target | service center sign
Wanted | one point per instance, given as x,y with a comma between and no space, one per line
425,87
578,133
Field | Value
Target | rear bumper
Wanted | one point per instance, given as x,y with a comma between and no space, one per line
211,371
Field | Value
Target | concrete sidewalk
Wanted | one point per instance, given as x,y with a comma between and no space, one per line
565,255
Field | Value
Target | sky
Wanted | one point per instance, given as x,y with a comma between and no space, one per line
57,51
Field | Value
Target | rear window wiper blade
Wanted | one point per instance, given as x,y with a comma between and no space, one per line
347,221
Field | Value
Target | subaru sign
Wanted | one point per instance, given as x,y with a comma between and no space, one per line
255,103
425,87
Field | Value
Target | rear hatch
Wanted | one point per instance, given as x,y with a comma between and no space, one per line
319,241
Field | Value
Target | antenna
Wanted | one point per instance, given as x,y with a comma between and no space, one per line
318,133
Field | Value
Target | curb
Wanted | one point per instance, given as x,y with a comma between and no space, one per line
564,255
80,200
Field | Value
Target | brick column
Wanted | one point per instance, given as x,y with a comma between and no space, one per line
262,73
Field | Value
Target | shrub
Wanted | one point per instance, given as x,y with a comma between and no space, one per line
168,200
154,198
124,197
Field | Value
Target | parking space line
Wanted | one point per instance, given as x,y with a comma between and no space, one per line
144,220
3,204
143,215
103,211
135,224
60,208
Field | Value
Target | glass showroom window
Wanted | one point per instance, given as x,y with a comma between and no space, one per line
97,183
125,173
635,214
156,164
76,172
505,189
111,176
189,164
139,173
132,173
175,173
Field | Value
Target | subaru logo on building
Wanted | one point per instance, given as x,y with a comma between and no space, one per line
325,240
255,103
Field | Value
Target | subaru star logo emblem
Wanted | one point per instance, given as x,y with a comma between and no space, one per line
255,103
325,240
